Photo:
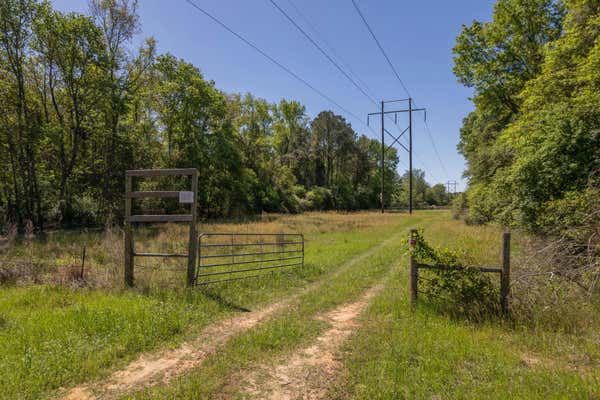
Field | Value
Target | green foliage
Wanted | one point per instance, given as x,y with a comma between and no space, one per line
459,206
467,292
424,195
537,141
318,198
78,108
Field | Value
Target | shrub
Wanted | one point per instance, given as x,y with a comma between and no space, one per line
319,198
459,206
467,292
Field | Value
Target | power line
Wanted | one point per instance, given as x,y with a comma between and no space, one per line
277,63
274,61
435,149
331,60
399,80
335,53
380,47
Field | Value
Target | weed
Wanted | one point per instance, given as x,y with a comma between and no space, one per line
468,292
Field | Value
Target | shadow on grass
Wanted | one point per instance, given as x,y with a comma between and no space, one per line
216,297
472,313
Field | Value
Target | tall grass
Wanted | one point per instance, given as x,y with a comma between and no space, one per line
55,333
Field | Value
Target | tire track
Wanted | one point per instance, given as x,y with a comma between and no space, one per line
308,373
160,367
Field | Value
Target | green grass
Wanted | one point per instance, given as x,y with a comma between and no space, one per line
222,373
423,354
53,336
400,354
57,336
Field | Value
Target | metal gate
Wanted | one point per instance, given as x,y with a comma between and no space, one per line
231,256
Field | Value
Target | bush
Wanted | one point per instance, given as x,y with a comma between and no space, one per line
319,198
467,292
459,206
557,277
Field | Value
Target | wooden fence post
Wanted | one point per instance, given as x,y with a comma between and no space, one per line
505,276
192,256
414,272
128,240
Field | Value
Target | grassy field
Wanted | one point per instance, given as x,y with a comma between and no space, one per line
55,335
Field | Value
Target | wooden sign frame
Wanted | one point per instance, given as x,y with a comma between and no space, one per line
129,248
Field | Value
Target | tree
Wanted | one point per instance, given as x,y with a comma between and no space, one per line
332,147
523,167
420,189
194,123
436,195
497,59
78,108
70,58
22,119
122,79
291,138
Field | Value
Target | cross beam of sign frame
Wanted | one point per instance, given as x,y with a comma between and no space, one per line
185,197
383,113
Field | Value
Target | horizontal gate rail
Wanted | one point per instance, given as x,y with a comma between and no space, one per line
253,254
248,244
251,269
250,262
453,268
225,255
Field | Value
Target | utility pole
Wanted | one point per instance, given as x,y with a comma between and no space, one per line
410,178
382,156
408,149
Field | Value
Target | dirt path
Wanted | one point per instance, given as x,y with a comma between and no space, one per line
160,367
308,373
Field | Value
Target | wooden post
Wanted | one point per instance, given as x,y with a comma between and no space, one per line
128,242
414,271
505,276
192,256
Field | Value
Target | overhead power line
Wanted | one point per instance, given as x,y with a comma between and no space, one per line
329,46
273,60
435,149
387,58
380,47
277,63
331,60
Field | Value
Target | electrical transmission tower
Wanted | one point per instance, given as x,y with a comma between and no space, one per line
452,184
409,149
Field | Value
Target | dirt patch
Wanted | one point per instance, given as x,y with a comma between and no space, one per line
160,368
308,374
534,361
153,369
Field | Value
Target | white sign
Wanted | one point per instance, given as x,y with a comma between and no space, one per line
186,197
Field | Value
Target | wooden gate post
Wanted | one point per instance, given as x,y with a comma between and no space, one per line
505,276
128,238
185,197
414,272
192,256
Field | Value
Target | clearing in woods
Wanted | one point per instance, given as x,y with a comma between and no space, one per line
151,369
340,328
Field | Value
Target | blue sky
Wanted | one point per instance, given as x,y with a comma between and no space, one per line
418,36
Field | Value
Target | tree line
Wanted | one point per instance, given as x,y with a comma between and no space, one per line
532,143
79,106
